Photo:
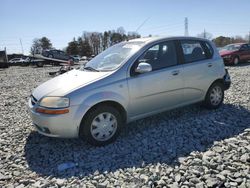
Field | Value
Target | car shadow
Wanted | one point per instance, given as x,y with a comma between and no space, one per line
161,138
241,64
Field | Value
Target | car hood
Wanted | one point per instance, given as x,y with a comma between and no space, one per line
226,52
65,83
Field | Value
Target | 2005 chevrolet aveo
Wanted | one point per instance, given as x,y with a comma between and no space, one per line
126,82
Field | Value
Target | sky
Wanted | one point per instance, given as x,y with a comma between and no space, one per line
61,20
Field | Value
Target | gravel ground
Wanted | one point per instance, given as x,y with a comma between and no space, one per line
187,147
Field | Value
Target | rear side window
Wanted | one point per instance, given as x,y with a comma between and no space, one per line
193,51
209,50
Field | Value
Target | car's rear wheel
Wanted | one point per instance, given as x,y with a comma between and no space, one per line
50,56
236,60
39,64
214,96
101,125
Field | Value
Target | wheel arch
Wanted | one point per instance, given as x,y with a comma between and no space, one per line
112,103
219,80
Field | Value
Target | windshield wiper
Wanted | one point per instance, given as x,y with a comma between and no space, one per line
91,69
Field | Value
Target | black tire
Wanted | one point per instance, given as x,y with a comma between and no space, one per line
86,125
50,56
39,64
209,102
236,60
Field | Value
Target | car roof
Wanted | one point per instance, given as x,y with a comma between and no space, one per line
238,43
153,39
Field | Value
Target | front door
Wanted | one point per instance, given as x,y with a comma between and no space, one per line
162,87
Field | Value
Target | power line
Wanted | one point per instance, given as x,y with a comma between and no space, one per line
142,24
21,44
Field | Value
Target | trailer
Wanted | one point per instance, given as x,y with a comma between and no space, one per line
40,61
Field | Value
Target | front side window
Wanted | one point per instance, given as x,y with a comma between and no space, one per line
231,47
160,56
192,51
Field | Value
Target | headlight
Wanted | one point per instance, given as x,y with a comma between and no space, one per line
54,102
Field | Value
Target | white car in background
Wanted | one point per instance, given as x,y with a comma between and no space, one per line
17,60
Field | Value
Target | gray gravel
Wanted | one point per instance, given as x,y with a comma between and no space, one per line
187,147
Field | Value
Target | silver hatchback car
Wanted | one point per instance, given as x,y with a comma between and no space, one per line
126,82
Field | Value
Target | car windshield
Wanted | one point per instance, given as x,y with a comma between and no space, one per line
113,57
231,47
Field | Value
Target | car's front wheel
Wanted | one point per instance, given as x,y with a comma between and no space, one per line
214,96
101,125
236,60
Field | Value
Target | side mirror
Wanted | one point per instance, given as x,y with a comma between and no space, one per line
143,68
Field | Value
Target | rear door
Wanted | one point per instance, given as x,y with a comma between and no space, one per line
162,87
199,69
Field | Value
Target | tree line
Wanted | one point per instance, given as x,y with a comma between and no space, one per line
223,41
90,43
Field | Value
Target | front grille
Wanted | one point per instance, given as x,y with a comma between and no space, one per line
33,100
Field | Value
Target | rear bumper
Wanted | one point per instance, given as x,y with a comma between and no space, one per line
227,80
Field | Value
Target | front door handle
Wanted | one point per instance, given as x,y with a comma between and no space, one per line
176,72
209,64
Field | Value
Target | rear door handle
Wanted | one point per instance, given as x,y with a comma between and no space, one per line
209,64
176,72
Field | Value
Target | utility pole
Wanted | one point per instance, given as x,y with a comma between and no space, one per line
204,35
21,45
6,57
186,26
249,37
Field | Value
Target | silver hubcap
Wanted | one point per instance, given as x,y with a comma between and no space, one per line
236,61
216,95
104,126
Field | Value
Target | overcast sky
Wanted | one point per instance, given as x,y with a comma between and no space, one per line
61,20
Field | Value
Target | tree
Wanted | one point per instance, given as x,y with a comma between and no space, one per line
72,48
106,40
39,45
133,35
121,30
222,41
86,49
238,39
45,43
95,42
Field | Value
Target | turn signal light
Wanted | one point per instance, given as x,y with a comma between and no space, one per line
54,111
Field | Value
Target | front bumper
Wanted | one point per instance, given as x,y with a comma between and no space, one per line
63,125
228,61
227,80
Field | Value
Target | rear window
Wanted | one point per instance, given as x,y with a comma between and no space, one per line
195,51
